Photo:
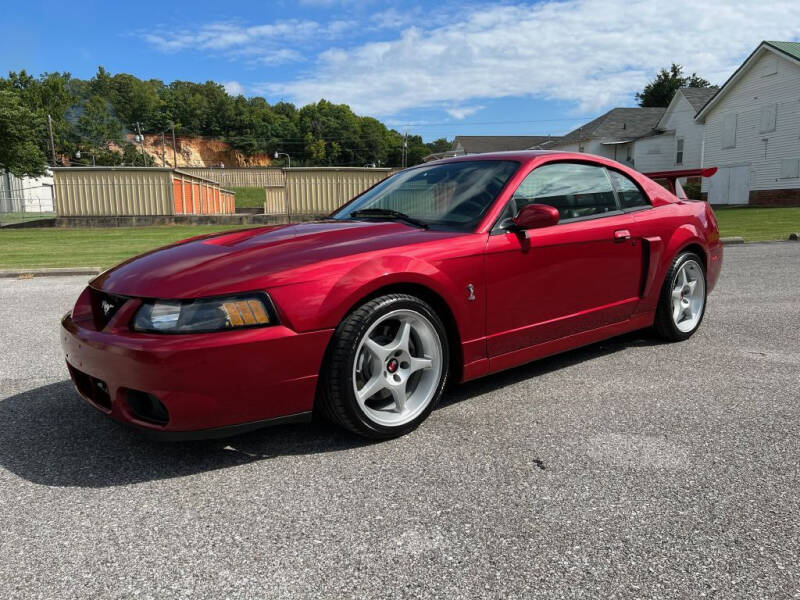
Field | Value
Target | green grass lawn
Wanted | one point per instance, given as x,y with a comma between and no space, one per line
758,224
101,247
249,197
104,247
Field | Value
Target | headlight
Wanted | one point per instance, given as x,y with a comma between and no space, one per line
205,314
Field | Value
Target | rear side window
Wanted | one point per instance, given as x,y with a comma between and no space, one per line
576,190
630,196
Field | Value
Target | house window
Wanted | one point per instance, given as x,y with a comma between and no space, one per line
790,168
679,152
580,148
729,131
769,115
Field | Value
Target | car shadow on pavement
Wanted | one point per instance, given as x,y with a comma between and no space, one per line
543,366
50,436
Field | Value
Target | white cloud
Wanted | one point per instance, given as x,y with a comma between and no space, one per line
392,18
264,44
234,88
588,52
462,112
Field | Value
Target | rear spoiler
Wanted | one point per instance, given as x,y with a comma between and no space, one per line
669,179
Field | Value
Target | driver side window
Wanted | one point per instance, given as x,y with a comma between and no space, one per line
575,189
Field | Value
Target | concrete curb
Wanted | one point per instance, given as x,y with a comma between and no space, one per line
59,272
731,240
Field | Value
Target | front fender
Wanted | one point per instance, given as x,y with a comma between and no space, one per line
365,279
324,302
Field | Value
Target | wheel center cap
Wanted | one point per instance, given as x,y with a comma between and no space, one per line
392,365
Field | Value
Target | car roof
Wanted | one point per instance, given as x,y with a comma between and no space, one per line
525,156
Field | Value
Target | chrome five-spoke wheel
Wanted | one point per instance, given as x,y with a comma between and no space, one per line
397,368
688,296
387,366
682,303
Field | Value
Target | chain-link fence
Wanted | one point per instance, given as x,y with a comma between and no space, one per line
25,198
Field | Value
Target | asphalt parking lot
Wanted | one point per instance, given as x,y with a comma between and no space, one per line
627,469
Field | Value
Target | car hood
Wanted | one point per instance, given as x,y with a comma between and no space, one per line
252,259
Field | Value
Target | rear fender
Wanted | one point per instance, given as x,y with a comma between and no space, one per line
683,236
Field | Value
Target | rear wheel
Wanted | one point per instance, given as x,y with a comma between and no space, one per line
386,368
683,298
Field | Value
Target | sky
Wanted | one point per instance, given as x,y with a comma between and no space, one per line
434,68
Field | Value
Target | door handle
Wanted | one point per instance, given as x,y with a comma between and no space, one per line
620,235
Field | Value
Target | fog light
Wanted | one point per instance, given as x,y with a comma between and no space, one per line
146,407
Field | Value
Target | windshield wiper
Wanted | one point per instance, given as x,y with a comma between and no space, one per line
386,213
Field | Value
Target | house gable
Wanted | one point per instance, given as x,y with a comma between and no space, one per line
753,124
765,58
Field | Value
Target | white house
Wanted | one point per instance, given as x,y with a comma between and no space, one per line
613,134
752,130
678,142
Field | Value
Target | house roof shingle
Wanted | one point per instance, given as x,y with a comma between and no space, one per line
478,144
698,97
618,124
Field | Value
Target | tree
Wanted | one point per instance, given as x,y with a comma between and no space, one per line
19,152
440,145
97,124
88,114
660,91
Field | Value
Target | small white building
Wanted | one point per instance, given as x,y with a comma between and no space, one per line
678,142
26,194
613,134
752,130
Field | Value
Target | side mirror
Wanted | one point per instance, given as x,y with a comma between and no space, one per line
535,216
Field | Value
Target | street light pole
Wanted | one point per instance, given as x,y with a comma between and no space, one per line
288,158
286,187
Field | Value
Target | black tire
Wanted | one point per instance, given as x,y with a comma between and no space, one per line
664,324
337,399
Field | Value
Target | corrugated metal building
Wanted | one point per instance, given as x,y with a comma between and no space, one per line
320,190
123,191
240,176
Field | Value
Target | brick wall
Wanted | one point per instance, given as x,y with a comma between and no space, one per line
769,197
775,197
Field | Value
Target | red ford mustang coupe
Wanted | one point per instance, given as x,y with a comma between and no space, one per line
447,271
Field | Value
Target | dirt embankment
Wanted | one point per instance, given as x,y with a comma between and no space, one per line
198,152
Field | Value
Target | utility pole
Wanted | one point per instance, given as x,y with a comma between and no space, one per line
405,150
163,151
52,145
174,150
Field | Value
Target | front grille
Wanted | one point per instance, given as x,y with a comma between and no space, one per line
104,306
90,387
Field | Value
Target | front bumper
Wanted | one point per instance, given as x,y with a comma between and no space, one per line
211,384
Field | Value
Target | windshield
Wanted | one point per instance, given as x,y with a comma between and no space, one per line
451,196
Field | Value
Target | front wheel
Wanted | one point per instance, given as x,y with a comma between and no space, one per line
682,303
386,368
